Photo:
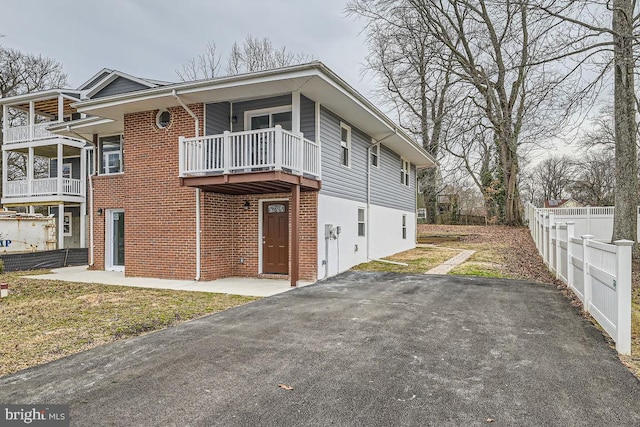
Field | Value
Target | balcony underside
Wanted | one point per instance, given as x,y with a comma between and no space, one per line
251,182
41,200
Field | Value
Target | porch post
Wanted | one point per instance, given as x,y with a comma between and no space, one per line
61,226
295,234
83,225
60,160
60,108
5,173
32,119
5,124
295,112
30,174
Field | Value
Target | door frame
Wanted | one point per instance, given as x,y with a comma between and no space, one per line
108,241
260,226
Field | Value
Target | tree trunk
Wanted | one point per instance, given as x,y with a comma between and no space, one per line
626,176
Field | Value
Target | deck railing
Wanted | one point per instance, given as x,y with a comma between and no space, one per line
28,133
254,150
43,187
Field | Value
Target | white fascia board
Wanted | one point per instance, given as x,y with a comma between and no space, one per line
111,77
39,96
95,76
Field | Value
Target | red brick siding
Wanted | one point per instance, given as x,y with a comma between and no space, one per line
160,215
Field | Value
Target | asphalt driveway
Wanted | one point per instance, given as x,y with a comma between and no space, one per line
359,349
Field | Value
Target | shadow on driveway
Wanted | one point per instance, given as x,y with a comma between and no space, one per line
358,349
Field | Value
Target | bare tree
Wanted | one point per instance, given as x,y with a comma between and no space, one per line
253,54
593,182
596,40
494,48
553,176
414,79
204,66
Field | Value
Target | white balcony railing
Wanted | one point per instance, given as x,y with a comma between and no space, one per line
43,187
28,133
264,149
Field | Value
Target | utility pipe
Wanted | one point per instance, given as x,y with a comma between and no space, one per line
198,191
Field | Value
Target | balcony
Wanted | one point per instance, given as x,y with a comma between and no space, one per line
28,133
256,161
42,187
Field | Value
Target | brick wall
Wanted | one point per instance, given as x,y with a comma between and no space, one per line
160,216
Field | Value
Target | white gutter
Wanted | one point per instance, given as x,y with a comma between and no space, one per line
198,231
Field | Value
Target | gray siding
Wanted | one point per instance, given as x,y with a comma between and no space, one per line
308,118
217,118
119,85
386,188
75,167
337,180
95,81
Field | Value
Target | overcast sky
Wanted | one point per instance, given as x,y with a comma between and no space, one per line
152,38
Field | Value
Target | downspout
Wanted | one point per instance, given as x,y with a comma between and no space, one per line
198,191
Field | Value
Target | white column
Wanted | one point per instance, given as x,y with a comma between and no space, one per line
30,162
5,123
61,226
83,225
32,119
60,108
295,112
32,209
623,294
60,160
5,175
83,172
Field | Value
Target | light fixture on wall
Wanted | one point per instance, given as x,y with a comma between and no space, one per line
234,119
246,205
99,212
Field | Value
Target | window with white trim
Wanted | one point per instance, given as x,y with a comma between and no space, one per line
404,172
110,154
66,224
375,155
404,227
269,118
345,145
361,222
67,170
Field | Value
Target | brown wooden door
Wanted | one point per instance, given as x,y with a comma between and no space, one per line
275,238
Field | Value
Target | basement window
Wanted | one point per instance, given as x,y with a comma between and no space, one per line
163,119
361,222
404,227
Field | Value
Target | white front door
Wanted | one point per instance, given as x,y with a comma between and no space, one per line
114,240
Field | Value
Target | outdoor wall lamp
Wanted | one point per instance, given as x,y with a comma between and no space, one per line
99,212
246,205
234,119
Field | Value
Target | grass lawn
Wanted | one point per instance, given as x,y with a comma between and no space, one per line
44,320
419,260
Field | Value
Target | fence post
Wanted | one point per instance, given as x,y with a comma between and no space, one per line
558,259
570,231
552,222
226,154
585,272
545,236
623,295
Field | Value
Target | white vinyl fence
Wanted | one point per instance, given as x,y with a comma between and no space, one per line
598,273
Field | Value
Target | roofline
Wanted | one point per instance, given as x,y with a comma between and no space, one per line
318,67
33,96
95,76
112,76
77,124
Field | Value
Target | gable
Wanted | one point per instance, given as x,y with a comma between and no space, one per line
97,79
119,85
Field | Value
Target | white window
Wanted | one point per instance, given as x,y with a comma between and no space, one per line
345,145
66,224
361,222
404,172
375,155
404,227
422,213
90,164
110,154
269,118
